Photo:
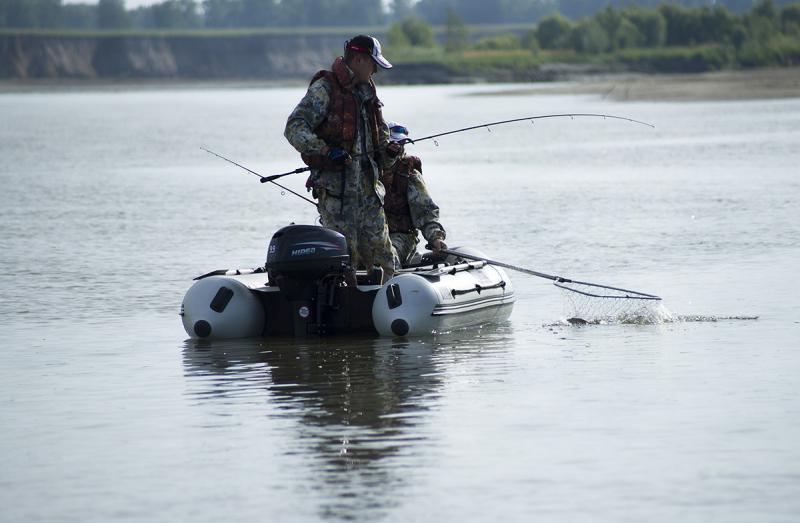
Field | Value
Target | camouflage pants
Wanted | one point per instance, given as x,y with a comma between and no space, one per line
363,223
405,244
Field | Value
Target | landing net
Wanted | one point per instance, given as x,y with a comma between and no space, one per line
592,303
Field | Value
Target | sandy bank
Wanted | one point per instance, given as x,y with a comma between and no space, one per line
725,85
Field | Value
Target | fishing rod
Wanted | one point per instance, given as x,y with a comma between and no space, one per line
487,126
264,179
525,119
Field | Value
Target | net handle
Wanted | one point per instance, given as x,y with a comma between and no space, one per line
557,279
638,295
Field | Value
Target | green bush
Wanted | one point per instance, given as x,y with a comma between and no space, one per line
412,31
553,32
651,25
529,40
610,20
500,42
499,65
589,37
779,51
678,59
790,20
627,36
456,37
717,24
111,14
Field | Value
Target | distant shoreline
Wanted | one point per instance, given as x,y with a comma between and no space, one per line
287,57
770,83
751,84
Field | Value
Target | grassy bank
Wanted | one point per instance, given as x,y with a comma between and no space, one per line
522,65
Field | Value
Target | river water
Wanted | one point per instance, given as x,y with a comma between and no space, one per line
109,207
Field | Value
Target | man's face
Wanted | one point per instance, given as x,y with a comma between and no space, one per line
364,67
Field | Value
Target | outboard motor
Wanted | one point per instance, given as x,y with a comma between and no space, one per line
307,263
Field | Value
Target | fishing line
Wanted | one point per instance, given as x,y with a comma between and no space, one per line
263,178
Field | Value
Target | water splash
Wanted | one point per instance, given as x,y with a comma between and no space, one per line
654,315
583,309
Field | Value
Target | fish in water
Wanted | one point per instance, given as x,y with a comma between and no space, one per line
577,321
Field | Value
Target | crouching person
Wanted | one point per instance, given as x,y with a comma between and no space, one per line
408,206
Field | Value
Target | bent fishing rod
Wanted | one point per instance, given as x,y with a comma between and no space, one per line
488,126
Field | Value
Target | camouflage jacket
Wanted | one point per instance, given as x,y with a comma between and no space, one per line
361,178
408,205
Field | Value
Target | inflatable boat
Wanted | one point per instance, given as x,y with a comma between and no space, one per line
302,291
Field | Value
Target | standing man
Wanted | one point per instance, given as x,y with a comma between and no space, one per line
338,129
408,206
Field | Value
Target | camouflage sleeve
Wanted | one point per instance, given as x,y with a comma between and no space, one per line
308,114
424,211
383,140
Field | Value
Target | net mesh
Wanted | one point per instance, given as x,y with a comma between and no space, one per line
596,304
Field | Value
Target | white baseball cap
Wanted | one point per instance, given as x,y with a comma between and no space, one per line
369,45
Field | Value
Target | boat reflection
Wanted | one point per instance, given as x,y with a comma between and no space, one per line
359,406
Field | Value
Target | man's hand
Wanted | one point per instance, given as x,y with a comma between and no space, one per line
437,245
394,149
339,156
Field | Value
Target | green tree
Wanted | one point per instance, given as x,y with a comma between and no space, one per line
174,14
48,13
220,13
412,31
739,36
651,24
716,25
553,32
765,9
79,16
111,14
456,37
790,20
18,13
611,21
683,28
627,36
419,32
397,37
31,13
589,37
762,23
529,40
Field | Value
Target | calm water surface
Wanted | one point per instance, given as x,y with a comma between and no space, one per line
108,208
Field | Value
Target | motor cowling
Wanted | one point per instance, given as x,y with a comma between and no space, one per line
306,252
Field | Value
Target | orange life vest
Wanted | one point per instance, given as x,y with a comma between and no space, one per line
340,126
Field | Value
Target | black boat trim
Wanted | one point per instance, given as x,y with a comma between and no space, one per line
478,288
